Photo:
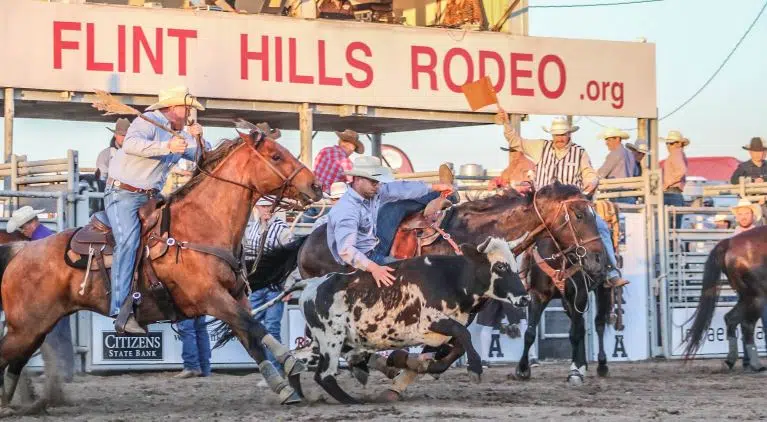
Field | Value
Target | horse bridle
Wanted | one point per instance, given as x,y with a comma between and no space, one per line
578,246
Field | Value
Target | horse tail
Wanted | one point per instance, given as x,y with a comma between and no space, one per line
712,274
7,252
276,264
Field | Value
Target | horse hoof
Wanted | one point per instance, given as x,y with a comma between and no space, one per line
475,377
389,396
520,375
603,370
360,375
575,379
727,366
294,366
292,398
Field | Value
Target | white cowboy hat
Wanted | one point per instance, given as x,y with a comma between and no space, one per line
370,168
560,127
177,95
676,136
20,217
612,132
337,190
265,201
639,146
745,203
721,217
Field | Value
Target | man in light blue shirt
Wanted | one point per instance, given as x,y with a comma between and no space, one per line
620,162
137,172
352,221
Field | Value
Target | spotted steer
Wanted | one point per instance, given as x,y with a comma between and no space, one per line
429,303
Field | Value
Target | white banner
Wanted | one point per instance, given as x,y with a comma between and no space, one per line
716,336
134,50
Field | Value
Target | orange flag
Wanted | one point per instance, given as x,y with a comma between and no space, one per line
479,93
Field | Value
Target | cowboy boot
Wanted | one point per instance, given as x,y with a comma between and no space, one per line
446,174
616,282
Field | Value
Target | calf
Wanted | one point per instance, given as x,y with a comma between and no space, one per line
429,303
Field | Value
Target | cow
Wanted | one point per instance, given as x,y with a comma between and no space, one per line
429,303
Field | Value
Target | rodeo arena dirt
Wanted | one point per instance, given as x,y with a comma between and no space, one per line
212,267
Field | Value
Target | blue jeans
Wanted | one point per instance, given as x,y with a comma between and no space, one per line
675,199
271,318
628,200
607,242
60,340
195,345
122,209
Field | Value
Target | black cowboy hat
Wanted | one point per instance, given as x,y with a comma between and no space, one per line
756,144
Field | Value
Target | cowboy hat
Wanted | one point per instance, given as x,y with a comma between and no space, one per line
745,203
560,127
121,127
756,144
349,135
675,136
639,146
370,168
612,132
20,217
175,96
265,201
337,190
273,134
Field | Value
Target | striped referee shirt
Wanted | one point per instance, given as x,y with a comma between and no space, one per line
278,234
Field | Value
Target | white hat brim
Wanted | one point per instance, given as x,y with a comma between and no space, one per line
15,222
559,132
175,101
380,174
755,208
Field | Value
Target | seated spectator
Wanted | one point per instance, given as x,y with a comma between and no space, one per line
721,222
753,170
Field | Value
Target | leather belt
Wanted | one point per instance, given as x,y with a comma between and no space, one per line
124,186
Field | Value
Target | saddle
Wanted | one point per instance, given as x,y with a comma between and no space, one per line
421,229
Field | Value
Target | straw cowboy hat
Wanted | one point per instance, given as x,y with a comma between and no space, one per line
178,95
612,132
270,133
264,201
20,217
676,136
349,135
756,144
370,168
560,127
639,146
745,203
121,127
337,190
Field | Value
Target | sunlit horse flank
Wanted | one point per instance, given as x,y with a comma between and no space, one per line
429,303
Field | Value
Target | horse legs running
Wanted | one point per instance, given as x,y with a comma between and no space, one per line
534,312
254,337
600,321
15,350
731,319
752,313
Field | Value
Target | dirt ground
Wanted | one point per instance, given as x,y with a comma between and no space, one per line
647,390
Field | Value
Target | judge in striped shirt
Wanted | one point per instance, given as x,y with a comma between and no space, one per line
562,160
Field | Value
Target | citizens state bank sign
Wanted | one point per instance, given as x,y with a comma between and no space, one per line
132,50
119,347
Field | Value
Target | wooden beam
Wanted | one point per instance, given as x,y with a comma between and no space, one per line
10,111
305,125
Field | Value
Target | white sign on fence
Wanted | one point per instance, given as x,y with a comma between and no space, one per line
716,336
134,50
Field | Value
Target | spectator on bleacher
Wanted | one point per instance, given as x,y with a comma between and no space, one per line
746,214
721,222
102,161
675,172
754,170
620,162
59,339
639,149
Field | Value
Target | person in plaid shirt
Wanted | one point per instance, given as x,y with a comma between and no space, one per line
332,162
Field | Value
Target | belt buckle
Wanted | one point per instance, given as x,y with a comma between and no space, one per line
116,183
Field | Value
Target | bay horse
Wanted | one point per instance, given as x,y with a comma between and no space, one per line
575,302
556,211
743,260
211,210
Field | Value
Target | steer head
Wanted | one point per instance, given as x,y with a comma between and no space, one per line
499,281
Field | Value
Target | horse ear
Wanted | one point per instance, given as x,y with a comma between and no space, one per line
245,137
483,246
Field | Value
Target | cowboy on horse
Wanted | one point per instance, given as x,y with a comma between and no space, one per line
562,160
353,222
137,173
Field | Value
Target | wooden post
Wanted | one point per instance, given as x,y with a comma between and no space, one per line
10,111
375,144
516,124
306,124
73,180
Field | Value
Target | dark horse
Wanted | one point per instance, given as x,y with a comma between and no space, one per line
556,211
575,303
211,210
743,260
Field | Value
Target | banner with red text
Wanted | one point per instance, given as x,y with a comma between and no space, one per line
134,50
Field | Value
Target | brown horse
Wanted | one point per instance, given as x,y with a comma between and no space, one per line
212,209
555,211
743,259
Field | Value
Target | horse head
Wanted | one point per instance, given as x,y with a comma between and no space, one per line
570,221
275,171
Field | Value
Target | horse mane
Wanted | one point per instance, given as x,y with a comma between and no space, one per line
212,159
504,199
